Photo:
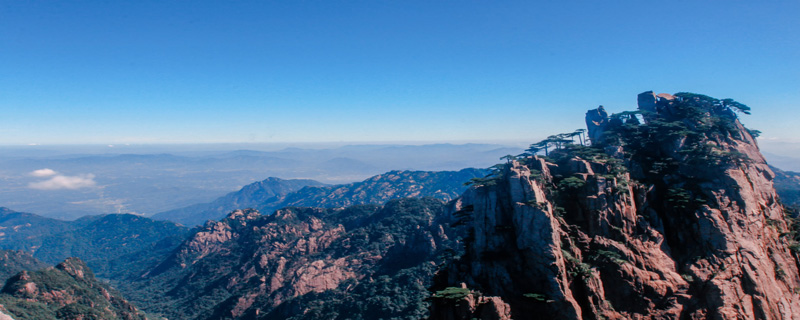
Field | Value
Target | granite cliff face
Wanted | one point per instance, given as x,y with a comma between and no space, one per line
670,214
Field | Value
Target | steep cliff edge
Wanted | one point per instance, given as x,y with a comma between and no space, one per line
671,213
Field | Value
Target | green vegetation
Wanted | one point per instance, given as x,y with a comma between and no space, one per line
576,267
558,141
779,273
538,297
114,245
610,256
489,180
30,229
695,119
452,293
571,183
68,291
12,262
679,198
793,234
401,296
679,143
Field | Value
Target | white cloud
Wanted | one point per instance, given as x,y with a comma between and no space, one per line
41,173
59,182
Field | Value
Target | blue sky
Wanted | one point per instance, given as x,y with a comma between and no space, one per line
111,72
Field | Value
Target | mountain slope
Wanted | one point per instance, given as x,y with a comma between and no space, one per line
304,263
113,245
68,291
23,231
268,191
787,184
273,193
444,185
673,218
12,262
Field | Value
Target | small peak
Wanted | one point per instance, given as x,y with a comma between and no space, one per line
244,214
75,267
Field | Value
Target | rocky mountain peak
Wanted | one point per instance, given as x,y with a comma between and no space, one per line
671,213
76,268
243,215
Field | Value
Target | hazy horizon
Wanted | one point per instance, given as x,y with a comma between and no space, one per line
68,182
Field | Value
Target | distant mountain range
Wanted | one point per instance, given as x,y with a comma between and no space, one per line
273,193
270,191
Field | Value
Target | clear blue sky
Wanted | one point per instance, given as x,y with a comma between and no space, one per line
294,71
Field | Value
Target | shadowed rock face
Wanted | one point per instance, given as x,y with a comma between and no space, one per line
596,120
681,225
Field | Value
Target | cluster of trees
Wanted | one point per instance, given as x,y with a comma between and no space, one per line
557,141
704,101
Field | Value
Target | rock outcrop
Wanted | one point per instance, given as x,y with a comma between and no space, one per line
596,120
67,291
680,221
